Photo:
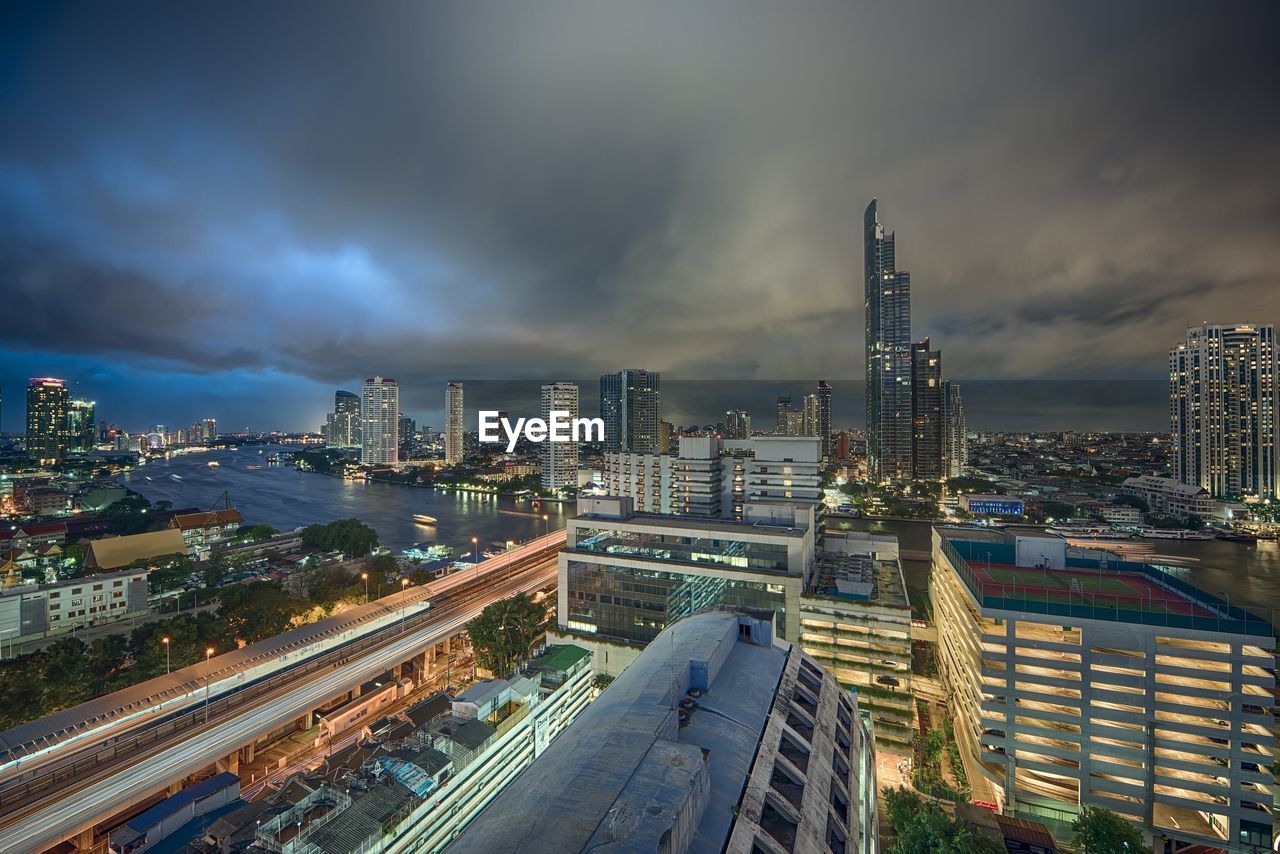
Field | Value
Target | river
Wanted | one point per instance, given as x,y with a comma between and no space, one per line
286,498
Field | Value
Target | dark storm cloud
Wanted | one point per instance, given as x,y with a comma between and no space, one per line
504,190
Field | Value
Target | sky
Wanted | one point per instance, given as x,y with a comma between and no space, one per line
232,209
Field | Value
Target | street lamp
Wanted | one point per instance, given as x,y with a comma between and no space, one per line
165,641
475,549
208,667
404,583
546,524
365,576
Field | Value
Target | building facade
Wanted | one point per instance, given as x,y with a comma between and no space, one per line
343,428
823,426
82,427
927,416
955,436
1170,496
887,306
712,478
380,422
737,424
454,449
631,408
47,437
40,610
625,576
985,504
559,459
651,765
1222,409
1081,680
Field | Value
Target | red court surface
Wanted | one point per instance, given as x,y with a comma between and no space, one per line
1127,591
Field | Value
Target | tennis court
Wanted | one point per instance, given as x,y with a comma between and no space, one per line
1122,591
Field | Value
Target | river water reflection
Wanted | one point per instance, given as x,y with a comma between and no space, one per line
286,498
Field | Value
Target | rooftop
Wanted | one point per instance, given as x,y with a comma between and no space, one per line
623,773
1091,585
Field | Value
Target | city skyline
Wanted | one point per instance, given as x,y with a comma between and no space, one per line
1031,256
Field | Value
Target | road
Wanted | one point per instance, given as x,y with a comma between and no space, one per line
47,824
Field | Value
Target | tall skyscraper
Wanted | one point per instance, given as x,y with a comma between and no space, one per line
380,422
926,412
209,428
343,424
82,430
631,407
783,413
47,438
955,437
888,344
737,424
809,416
559,459
824,420
1222,409
453,447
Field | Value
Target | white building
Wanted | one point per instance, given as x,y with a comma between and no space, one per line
1170,496
559,459
40,610
451,768
712,478
1077,679
1222,409
380,422
453,447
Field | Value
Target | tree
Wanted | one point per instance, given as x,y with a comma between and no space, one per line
258,533
253,612
504,631
1134,501
921,827
350,536
1100,831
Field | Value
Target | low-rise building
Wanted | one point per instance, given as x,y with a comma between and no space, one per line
716,739
1077,679
1171,497
990,505
38,610
115,552
203,532
418,792
1121,514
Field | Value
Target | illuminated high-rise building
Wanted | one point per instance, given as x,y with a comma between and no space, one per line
82,430
1222,409
823,419
454,450
955,437
209,429
47,401
888,348
809,416
926,412
737,424
380,422
631,407
342,426
559,459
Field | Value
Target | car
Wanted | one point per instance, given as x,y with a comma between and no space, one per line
888,680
